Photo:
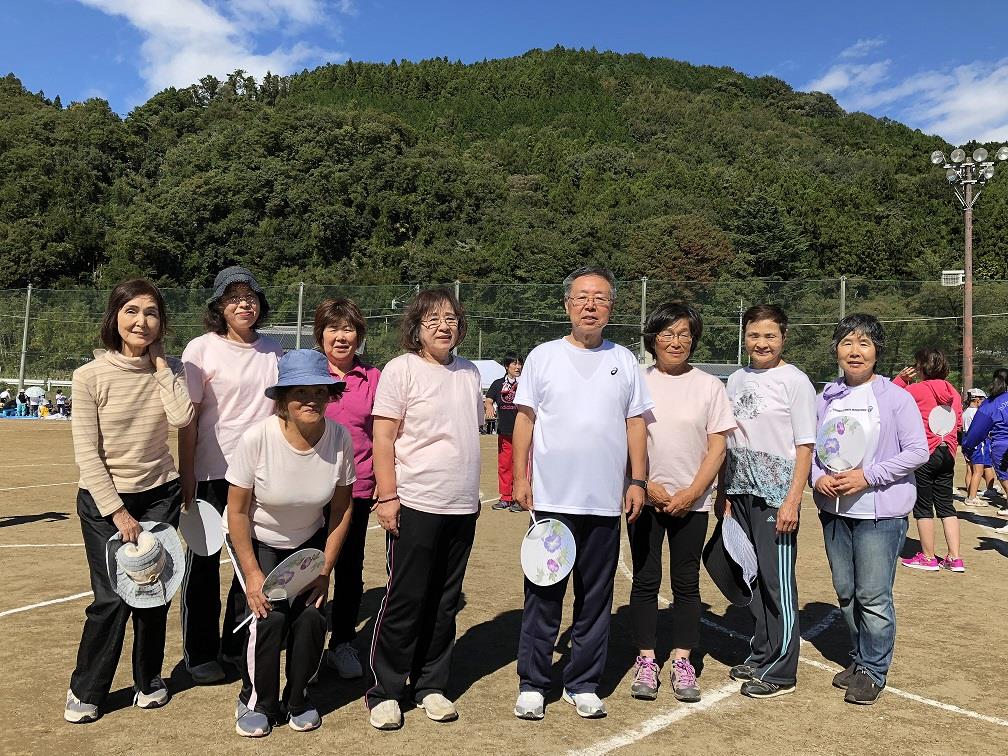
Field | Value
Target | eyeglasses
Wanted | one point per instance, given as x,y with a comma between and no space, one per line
434,321
667,338
345,328
251,298
581,300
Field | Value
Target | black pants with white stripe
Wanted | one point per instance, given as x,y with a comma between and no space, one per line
290,625
776,641
415,630
202,636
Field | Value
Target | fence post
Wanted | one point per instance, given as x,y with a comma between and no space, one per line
24,342
297,339
738,357
643,315
843,297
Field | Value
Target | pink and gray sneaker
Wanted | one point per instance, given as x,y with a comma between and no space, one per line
684,682
920,562
645,684
953,565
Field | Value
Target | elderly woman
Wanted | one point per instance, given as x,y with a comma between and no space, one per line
124,401
340,330
765,474
990,426
864,510
427,465
939,402
285,473
227,370
686,445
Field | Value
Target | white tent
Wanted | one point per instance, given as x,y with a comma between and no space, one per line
490,371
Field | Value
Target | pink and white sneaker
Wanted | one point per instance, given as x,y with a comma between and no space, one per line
920,562
953,565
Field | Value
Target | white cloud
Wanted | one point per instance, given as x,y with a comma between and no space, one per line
862,47
960,103
184,40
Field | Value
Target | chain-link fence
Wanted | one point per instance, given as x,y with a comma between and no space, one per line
63,325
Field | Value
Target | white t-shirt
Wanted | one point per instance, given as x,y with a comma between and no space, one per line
581,399
687,408
967,418
227,379
290,488
860,404
775,411
437,450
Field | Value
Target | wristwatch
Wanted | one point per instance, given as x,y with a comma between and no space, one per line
638,482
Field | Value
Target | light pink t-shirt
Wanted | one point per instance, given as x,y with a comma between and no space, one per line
290,487
227,379
687,408
437,451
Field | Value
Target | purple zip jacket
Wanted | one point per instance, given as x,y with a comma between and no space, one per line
901,449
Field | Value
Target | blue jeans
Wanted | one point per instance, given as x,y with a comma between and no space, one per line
862,556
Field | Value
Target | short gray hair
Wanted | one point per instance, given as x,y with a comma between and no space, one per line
590,270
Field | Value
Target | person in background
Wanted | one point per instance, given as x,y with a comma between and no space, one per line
340,331
687,431
33,404
22,404
990,424
864,510
427,414
60,402
227,371
126,398
499,405
941,413
285,473
765,473
978,466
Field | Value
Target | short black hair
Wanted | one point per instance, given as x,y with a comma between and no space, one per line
666,314
511,358
760,312
867,325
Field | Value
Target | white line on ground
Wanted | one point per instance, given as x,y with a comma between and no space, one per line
44,464
40,485
657,723
45,603
35,545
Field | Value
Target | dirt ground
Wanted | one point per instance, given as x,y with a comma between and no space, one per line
945,692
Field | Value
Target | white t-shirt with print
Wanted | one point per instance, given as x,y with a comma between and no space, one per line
581,399
860,403
290,487
775,411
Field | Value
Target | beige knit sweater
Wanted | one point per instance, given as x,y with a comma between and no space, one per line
121,412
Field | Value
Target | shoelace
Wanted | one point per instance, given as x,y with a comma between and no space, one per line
687,675
647,671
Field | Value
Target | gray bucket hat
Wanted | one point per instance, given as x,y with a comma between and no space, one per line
148,573
234,274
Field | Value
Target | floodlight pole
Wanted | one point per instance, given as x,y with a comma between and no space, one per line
968,285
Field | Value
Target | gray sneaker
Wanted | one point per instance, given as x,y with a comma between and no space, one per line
645,684
250,723
305,721
515,507
741,672
684,682
345,661
157,698
501,504
78,712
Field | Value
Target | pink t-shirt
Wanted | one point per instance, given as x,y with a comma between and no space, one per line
437,451
353,411
227,379
687,408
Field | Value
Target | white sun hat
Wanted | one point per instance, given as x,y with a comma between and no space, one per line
146,574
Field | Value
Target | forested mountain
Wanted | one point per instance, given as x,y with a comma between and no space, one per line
503,170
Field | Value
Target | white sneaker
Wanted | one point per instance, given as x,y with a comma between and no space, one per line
588,705
157,698
77,711
438,708
530,705
386,716
345,661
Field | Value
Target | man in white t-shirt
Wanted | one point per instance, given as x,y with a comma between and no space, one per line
580,406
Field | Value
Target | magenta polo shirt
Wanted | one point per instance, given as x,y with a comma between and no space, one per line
353,411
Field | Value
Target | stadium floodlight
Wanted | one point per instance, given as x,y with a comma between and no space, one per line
979,155
937,157
958,155
1002,153
988,172
952,175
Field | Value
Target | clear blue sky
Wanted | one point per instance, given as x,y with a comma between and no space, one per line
887,57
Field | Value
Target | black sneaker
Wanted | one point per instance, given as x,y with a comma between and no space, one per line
515,507
501,504
843,679
862,689
764,689
741,672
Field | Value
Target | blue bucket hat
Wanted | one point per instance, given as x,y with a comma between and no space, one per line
303,367
234,274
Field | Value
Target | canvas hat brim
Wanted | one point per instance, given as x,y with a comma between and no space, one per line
724,571
233,275
158,593
271,391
